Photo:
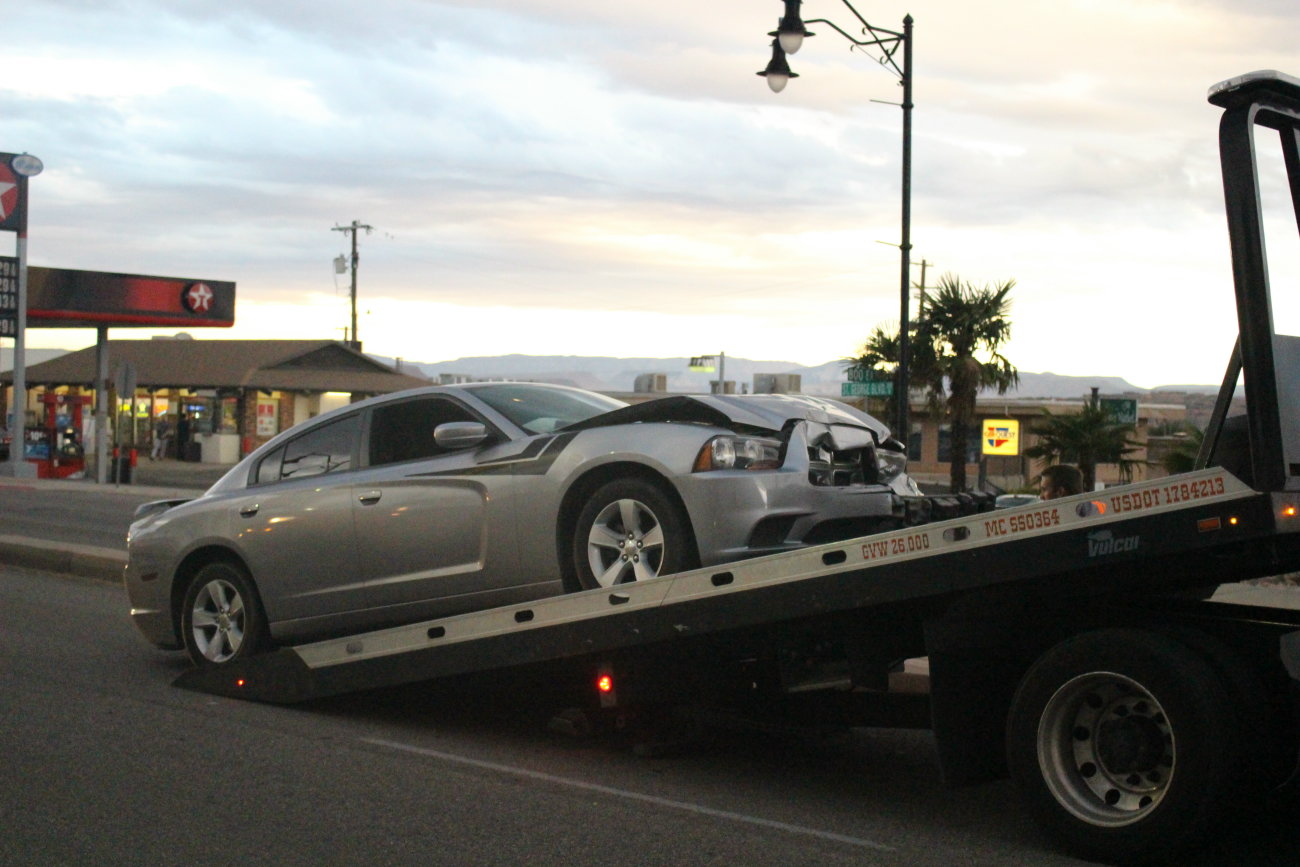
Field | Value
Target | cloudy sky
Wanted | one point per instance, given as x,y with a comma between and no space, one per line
612,178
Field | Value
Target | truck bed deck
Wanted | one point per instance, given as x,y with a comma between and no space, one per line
1154,537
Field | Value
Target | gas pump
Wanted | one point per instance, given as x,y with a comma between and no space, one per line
55,446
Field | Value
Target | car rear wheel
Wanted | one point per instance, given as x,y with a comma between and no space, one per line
221,618
629,530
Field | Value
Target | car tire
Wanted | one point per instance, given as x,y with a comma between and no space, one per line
630,530
1123,744
221,616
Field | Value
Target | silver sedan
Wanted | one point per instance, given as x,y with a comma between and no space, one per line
442,500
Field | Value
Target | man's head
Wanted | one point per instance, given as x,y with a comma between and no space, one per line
1060,480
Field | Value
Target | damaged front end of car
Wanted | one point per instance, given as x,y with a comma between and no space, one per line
790,471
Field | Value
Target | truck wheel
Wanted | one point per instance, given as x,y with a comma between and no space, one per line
1122,743
629,530
221,618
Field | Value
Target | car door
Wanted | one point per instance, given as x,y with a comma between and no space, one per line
295,524
435,525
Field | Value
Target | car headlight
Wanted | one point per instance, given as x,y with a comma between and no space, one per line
738,453
890,464
891,467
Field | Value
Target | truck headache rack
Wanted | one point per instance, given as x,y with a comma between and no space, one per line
1270,361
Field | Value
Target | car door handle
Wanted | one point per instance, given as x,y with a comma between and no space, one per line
249,511
369,498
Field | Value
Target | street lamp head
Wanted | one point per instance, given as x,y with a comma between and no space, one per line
26,165
790,30
778,72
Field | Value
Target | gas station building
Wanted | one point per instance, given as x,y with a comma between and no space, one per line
235,394
222,398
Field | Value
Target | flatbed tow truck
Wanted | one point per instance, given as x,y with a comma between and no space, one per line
1098,648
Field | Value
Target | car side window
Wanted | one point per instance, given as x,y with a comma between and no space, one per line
324,449
403,431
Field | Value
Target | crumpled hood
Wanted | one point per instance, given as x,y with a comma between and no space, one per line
752,412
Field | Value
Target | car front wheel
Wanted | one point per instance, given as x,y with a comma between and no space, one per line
629,530
221,619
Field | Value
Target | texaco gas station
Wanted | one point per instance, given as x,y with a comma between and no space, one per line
232,394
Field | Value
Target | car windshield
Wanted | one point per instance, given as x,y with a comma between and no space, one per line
538,409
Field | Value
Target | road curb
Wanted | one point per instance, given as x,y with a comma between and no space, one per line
88,561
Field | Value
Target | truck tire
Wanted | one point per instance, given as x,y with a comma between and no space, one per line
1267,756
1123,744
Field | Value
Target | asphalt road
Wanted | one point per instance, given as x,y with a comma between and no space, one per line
84,513
105,762
85,516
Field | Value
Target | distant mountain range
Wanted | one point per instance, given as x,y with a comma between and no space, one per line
603,373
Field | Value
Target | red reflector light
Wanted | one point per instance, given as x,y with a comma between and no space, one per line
605,683
1206,525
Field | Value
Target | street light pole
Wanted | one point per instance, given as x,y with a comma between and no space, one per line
789,36
904,339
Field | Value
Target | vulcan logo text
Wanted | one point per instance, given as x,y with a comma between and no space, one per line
1104,542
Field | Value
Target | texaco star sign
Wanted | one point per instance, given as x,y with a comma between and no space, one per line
197,298
8,192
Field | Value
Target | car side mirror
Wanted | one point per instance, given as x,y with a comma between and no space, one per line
459,434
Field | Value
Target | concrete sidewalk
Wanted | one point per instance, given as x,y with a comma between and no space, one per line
168,473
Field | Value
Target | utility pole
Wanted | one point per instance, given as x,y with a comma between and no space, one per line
920,305
354,341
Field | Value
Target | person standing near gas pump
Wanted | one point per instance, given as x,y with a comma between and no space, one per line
162,433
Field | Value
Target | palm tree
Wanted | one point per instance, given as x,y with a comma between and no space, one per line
1087,438
1182,457
958,335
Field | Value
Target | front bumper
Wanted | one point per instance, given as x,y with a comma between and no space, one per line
738,514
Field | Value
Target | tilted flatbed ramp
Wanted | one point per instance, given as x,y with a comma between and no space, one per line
1155,536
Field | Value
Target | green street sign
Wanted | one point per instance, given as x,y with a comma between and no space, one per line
867,374
702,364
1122,409
866,389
